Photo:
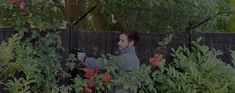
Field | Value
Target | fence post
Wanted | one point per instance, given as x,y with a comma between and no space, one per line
70,28
191,31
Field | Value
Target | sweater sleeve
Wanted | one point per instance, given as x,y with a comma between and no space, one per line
92,63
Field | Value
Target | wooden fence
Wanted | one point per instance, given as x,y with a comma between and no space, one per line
97,43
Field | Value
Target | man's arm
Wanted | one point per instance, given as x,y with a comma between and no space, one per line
92,63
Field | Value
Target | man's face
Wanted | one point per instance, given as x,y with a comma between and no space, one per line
123,42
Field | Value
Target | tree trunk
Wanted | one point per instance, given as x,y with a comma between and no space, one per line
68,7
74,10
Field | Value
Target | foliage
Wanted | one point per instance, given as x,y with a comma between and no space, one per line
20,60
32,63
165,42
163,15
195,71
35,14
144,15
226,23
233,56
39,65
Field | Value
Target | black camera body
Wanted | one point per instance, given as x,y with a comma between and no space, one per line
81,50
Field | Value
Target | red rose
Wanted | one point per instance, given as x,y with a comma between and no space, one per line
13,1
158,56
91,84
22,6
97,70
88,90
157,59
89,73
106,77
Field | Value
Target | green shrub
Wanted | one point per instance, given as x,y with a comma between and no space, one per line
195,71
38,63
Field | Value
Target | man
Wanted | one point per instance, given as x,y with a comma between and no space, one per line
126,46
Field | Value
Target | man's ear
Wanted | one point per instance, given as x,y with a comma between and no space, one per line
131,43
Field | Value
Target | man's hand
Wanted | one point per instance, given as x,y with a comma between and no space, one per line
81,56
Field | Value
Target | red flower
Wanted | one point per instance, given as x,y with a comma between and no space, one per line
106,77
157,59
22,6
13,1
89,73
97,70
88,90
91,84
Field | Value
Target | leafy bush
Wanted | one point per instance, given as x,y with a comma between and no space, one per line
195,71
29,68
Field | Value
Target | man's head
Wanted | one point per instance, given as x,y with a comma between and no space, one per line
127,38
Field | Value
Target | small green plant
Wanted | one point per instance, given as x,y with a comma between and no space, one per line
38,63
165,42
16,59
233,57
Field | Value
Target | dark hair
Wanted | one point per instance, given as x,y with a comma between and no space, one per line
131,34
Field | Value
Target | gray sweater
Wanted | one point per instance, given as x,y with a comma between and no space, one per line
128,58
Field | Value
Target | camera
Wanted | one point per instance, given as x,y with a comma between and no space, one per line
77,50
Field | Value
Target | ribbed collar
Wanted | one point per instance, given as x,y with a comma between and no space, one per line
129,50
